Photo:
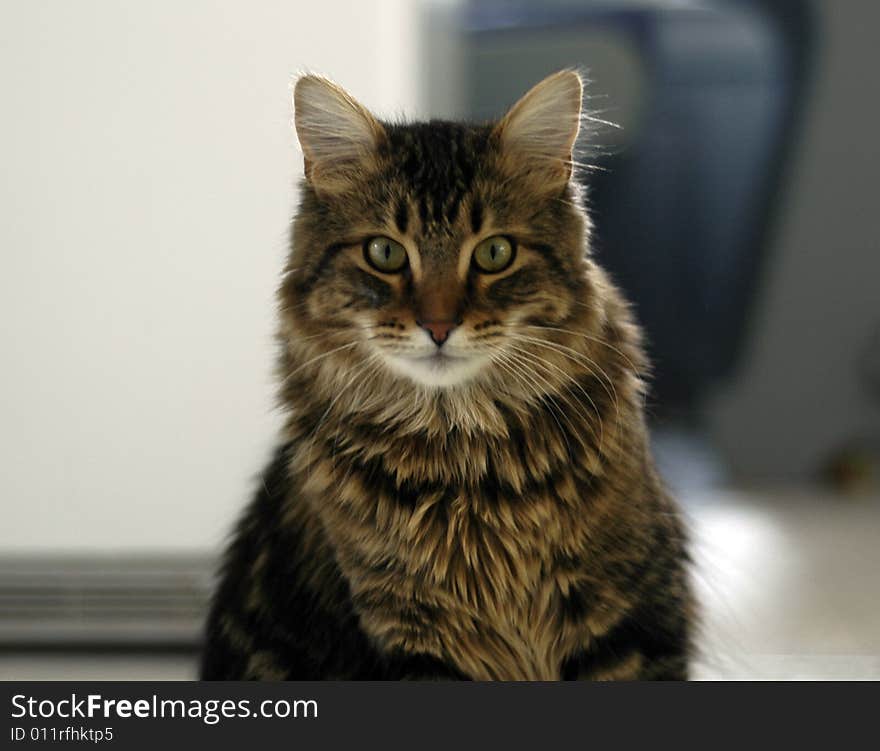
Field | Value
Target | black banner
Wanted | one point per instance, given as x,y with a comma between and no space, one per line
418,715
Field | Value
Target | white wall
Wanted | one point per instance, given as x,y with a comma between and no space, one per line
145,192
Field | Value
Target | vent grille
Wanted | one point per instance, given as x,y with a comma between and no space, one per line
113,601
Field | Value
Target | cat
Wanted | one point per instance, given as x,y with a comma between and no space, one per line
464,489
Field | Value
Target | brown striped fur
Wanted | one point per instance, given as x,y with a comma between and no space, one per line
509,525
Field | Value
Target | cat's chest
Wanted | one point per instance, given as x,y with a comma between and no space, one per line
464,572
470,580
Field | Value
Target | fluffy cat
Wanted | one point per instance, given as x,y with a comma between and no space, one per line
464,489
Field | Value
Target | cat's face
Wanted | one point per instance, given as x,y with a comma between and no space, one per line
436,248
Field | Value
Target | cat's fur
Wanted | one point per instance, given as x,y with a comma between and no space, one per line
493,514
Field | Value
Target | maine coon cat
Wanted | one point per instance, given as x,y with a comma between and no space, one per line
464,488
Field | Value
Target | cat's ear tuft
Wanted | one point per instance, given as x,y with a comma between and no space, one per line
338,135
539,132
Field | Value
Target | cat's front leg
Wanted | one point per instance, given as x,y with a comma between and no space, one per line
634,650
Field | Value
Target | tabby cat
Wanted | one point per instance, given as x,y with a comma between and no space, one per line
464,489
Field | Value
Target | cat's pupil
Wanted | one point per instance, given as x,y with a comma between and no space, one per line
387,252
494,251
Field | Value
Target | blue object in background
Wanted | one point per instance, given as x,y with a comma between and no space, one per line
684,207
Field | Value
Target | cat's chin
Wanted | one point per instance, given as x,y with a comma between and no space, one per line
439,370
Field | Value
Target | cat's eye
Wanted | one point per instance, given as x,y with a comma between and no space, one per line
385,254
494,254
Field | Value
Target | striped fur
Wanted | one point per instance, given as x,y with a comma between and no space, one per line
504,523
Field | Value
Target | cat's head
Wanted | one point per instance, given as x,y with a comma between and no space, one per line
432,248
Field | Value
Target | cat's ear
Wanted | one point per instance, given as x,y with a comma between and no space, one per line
339,137
538,134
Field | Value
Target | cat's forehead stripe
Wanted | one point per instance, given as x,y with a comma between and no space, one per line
401,216
476,215
436,162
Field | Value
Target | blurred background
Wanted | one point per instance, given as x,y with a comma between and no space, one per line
149,176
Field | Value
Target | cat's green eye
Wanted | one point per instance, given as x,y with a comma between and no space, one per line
494,254
385,254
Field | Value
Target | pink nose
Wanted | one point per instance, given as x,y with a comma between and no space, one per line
439,330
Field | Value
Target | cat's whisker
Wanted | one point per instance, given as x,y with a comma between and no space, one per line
607,378
568,377
317,358
600,341
584,361
585,166
296,306
311,336
499,358
592,338
547,393
566,202
521,375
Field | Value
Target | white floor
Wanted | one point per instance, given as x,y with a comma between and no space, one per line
789,581
790,585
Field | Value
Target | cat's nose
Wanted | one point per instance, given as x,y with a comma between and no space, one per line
439,330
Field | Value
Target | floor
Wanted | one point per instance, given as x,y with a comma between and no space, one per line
788,581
